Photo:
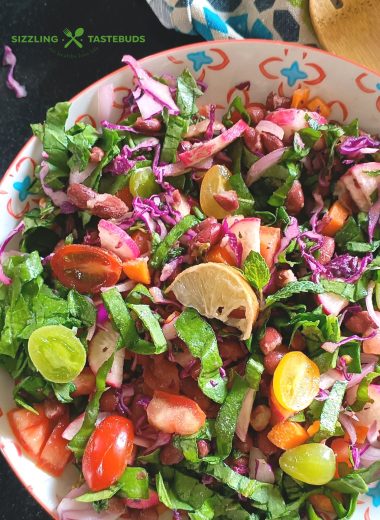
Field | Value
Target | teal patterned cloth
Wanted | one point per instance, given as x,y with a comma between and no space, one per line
286,20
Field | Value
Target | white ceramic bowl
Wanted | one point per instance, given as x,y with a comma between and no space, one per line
350,89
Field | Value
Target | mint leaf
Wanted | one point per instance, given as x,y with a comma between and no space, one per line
225,424
152,325
293,288
201,341
330,411
105,494
161,253
256,270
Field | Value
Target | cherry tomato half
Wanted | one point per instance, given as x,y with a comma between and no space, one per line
85,268
107,452
175,414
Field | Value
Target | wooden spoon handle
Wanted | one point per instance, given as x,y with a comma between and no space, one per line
350,31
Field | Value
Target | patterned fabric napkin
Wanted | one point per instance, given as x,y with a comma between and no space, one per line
286,20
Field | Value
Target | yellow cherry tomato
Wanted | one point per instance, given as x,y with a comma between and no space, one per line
296,381
215,181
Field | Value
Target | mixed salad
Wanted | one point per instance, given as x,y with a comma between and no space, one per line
193,314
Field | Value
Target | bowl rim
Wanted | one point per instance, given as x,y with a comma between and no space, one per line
225,41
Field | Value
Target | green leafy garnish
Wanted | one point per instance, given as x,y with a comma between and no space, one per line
256,270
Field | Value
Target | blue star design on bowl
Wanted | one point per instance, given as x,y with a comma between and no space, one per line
375,494
23,187
377,86
199,59
293,73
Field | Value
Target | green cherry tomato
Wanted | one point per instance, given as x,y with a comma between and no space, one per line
310,463
57,353
142,183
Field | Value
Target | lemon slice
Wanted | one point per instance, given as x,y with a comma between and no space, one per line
218,291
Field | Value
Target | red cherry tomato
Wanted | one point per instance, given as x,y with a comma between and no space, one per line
107,452
175,414
142,240
86,268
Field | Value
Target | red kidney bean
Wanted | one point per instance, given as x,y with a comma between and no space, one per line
108,401
295,200
271,340
270,142
264,444
256,112
252,141
260,417
245,446
170,455
203,448
284,276
359,323
96,154
209,231
272,359
326,250
147,125
298,341
228,200
101,205
274,101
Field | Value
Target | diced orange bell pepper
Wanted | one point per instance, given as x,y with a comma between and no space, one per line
313,428
137,270
300,97
361,433
337,216
341,448
317,105
287,435
220,255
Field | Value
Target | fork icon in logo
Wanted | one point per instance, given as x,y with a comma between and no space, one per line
73,38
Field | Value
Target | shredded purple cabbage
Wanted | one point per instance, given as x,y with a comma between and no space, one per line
3,277
9,60
356,146
210,129
346,267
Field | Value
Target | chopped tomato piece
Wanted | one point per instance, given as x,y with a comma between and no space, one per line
84,383
335,219
137,270
220,255
341,448
300,97
175,414
31,430
278,412
142,240
107,452
55,455
287,435
270,239
86,268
